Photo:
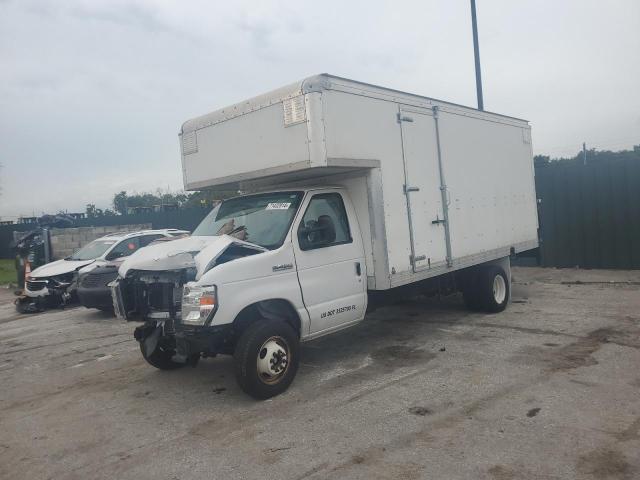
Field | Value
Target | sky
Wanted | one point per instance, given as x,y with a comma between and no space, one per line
93,92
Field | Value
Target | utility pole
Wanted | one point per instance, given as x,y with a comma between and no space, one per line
584,153
476,54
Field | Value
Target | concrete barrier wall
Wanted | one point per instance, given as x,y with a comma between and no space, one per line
65,241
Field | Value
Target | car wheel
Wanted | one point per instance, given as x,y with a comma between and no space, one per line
161,357
267,358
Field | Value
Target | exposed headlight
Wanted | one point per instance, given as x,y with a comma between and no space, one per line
198,303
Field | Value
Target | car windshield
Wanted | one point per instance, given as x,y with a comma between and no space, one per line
92,250
263,219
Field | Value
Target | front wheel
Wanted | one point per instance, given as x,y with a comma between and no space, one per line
161,356
267,358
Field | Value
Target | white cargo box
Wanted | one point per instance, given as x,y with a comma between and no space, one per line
436,186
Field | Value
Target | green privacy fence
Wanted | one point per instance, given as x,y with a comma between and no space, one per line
590,214
185,219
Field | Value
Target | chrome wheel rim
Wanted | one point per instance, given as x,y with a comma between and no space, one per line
499,289
273,360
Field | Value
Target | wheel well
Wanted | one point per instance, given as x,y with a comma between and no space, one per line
276,308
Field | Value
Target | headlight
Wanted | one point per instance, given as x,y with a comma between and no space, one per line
198,303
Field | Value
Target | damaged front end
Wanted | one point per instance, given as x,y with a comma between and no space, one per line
154,298
159,287
48,292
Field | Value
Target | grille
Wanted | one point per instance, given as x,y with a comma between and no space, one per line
36,285
92,280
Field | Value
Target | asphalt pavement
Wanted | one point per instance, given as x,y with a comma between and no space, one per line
548,389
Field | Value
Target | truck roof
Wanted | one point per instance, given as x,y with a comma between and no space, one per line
317,83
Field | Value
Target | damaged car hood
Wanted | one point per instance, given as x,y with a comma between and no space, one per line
191,252
59,267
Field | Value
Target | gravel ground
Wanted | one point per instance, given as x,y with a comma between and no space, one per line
549,389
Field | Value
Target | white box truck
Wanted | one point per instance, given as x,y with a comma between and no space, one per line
357,191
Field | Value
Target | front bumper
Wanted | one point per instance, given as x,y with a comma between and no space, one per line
94,290
209,341
37,293
99,297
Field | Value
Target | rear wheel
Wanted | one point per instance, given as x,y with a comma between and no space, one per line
487,289
267,358
494,289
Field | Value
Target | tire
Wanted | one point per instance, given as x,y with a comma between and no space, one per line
161,358
262,343
493,289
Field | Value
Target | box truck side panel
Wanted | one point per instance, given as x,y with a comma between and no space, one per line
361,127
247,146
487,169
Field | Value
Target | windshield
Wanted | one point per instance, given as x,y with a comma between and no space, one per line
92,250
263,219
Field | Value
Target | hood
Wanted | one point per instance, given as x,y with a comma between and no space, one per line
101,263
59,267
189,252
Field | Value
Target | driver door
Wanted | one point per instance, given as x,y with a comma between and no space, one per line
330,261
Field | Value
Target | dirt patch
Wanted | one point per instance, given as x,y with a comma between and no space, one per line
533,331
573,355
632,432
605,463
579,353
533,412
420,411
501,472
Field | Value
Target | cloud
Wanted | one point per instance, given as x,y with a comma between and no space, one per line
94,91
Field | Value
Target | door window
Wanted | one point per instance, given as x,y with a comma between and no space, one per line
147,239
124,248
325,223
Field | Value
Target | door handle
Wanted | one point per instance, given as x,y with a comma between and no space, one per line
358,269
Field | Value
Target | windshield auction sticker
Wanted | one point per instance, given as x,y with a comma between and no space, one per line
278,206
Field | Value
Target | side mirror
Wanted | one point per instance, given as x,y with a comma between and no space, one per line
304,238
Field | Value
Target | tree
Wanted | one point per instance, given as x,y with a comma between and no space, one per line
92,212
120,202
540,160
205,198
